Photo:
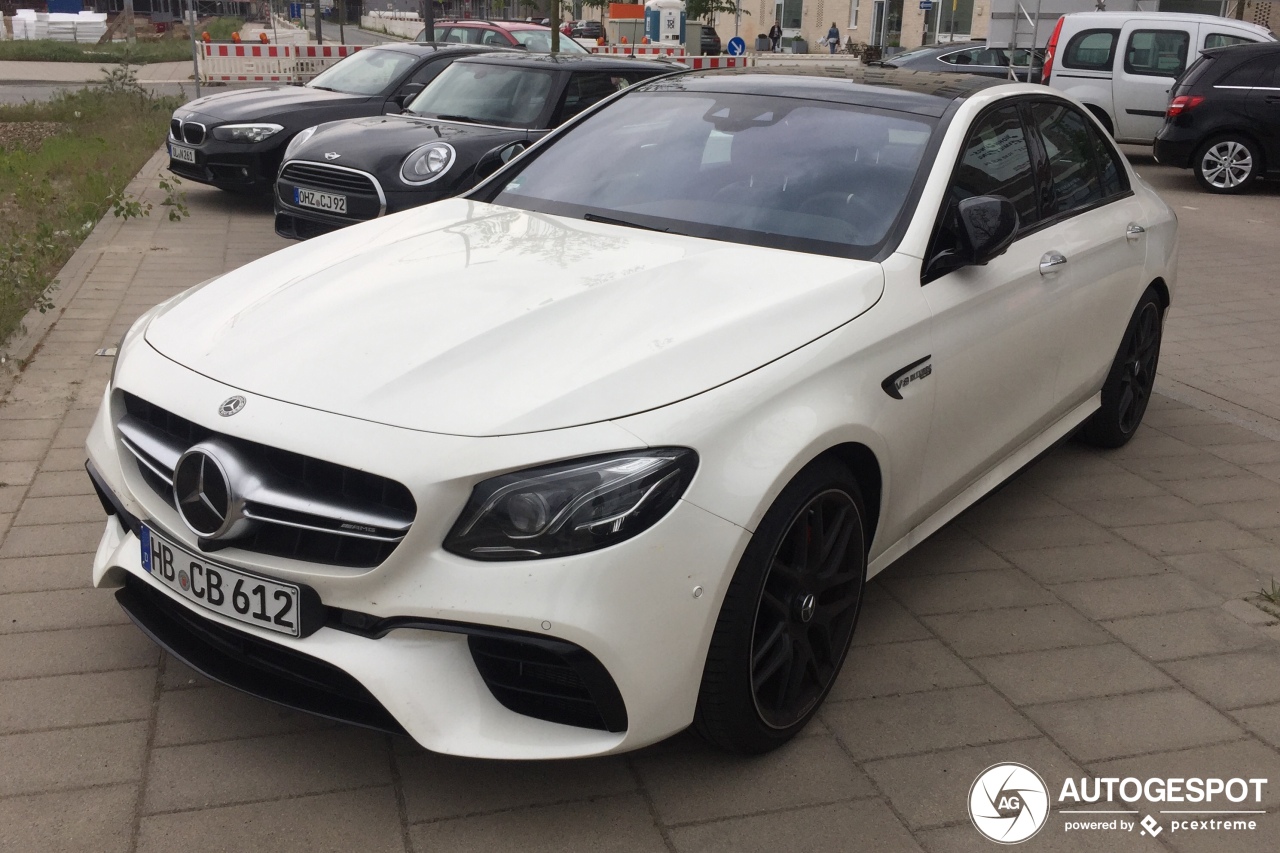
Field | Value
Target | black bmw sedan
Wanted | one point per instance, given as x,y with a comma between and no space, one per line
235,140
475,116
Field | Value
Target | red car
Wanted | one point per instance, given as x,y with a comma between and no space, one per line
532,37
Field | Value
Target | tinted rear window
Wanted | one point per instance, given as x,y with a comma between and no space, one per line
1091,50
1194,73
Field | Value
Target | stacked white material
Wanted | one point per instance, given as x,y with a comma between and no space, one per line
27,24
62,26
90,26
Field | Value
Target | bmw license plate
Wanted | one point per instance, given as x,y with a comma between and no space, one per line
235,594
181,153
320,201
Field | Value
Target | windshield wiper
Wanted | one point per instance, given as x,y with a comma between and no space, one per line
323,88
468,119
592,217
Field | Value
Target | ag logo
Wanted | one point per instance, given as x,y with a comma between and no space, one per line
1008,803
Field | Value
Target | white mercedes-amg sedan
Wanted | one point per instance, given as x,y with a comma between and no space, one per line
610,446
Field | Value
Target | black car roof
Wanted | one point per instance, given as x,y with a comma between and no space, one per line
420,48
577,60
923,92
1247,50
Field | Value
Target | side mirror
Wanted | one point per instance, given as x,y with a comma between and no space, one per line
497,158
990,223
407,94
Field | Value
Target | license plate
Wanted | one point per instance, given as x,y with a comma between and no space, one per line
181,153
235,594
320,201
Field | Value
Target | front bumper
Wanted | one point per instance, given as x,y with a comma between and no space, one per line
366,196
230,166
424,636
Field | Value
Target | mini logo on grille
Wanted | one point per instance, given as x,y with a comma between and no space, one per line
231,406
332,155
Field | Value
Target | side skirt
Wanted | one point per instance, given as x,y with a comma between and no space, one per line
987,483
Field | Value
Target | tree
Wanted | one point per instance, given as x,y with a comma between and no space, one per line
708,9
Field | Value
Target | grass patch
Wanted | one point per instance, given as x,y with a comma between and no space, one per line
139,53
62,162
220,29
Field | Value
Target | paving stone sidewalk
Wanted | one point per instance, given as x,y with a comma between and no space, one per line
1091,618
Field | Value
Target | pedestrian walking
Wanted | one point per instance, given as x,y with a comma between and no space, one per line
775,35
833,37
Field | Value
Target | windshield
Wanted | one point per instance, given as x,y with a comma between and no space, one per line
506,95
927,50
365,72
770,171
539,41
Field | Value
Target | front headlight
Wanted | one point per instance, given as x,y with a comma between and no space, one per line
427,163
571,507
297,141
246,132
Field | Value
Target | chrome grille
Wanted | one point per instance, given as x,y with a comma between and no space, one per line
328,178
303,508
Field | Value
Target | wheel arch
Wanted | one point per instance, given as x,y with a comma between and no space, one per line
1162,291
1103,117
865,467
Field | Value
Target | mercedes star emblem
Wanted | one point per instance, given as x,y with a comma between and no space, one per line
231,406
203,494
332,155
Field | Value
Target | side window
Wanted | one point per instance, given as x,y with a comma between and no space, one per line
427,73
1224,40
1162,53
996,161
1091,50
494,37
1074,179
442,33
586,89
1253,73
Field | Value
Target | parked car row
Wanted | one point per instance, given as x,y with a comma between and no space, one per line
609,446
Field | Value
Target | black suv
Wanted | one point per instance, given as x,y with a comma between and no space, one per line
710,41
1223,120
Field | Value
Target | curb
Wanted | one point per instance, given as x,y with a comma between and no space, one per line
31,332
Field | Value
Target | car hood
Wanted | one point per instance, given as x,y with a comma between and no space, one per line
473,319
262,104
380,143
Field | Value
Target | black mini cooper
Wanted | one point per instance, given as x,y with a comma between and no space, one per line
475,116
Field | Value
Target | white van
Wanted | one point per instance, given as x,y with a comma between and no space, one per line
1123,64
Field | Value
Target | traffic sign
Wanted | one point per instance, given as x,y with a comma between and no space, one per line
926,5
737,46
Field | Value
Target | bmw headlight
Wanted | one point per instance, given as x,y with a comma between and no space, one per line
571,507
246,132
297,141
427,163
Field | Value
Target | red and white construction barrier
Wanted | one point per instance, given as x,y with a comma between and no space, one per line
267,63
637,50
698,63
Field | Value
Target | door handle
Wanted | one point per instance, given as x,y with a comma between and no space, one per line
1051,262
1134,231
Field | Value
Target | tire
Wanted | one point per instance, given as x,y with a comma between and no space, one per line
788,616
1227,164
1127,390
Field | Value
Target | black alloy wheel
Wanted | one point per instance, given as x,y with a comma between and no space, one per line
788,616
1133,376
807,609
